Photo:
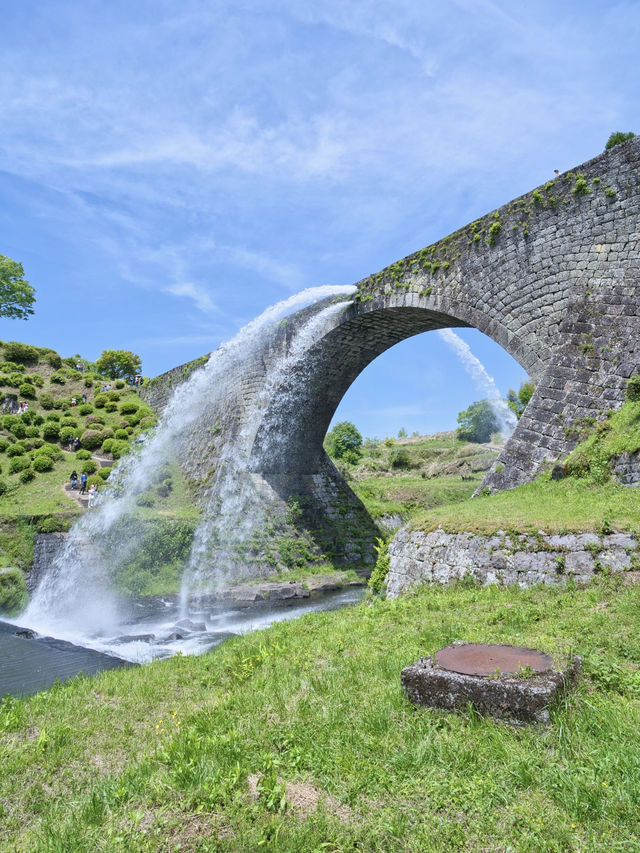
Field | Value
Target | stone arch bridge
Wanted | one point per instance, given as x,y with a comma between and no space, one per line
551,276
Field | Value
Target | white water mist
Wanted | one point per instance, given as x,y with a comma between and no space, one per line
75,599
484,382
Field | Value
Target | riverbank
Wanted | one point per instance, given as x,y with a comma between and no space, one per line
298,736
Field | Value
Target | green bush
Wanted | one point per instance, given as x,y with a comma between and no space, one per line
104,472
378,577
88,382
83,454
89,466
46,401
100,401
66,433
27,475
19,429
13,591
107,433
27,390
94,419
107,444
74,375
53,524
69,422
53,416
400,458
145,500
22,353
51,431
35,379
128,407
4,486
91,439
95,480
119,383
113,396
18,463
51,450
148,422
85,409
42,462
38,442
15,380
53,360
617,137
111,407
633,389
57,379
11,367
118,448
3,445
33,432
122,434
15,450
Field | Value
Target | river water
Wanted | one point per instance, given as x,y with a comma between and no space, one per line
30,662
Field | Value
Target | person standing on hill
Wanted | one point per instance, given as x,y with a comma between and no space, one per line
83,483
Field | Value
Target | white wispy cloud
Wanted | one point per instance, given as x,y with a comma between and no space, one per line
200,297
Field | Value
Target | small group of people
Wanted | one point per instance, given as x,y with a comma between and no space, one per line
73,444
23,407
136,380
106,387
93,489
74,400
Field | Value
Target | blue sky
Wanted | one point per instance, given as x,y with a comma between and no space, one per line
170,169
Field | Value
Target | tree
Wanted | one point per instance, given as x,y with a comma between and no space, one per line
16,294
518,402
344,441
477,422
117,363
618,137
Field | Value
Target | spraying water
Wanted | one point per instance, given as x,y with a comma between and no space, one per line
75,599
506,419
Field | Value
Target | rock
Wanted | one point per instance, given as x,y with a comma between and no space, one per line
191,626
557,472
134,638
26,633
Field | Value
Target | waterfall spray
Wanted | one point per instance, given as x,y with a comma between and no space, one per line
506,419
75,597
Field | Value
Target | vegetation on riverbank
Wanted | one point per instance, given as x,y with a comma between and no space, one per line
298,738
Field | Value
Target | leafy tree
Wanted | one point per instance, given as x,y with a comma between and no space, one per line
16,294
518,402
116,363
477,422
618,137
344,441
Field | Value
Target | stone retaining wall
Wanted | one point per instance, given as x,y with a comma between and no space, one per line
417,557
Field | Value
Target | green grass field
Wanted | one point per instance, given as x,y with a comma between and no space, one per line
298,738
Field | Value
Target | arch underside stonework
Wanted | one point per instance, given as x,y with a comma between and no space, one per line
552,277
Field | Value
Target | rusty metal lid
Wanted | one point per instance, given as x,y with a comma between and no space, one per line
483,659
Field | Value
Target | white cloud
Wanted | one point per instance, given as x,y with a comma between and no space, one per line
198,295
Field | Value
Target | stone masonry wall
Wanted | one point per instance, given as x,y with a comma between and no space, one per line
418,557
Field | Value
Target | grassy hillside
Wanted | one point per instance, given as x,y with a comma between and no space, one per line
298,738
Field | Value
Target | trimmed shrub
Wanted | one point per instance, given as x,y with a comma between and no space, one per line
19,429
15,450
51,431
15,380
66,433
13,591
4,486
37,419
22,353
118,448
104,472
33,432
122,434
107,444
38,442
119,383
27,475
35,379
128,407
88,382
69,422
11,367
53,359
95,480
74,375
57,379
145,500
19,463
100,400
42,462
46,401
91,439
85,409
83,454
53,524
89,466
107,433
113,396
111,407
124,424
51,450
27,390
94,419
53,416
3,445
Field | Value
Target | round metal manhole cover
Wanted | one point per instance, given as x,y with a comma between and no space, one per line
482,659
